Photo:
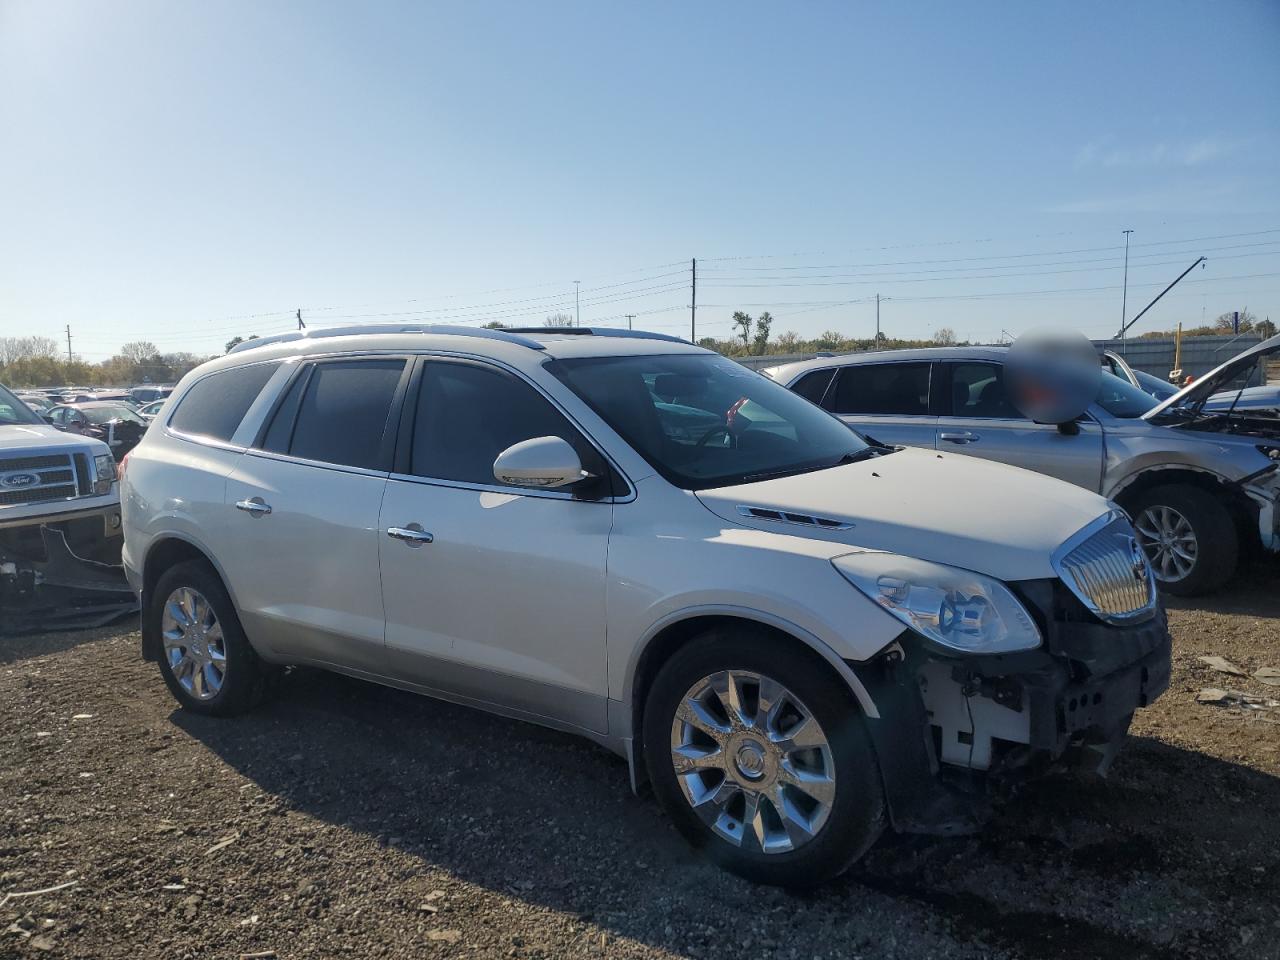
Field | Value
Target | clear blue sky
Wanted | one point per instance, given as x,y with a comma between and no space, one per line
183,171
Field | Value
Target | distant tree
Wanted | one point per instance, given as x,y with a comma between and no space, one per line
743,322
1226,321
233,343
945,337
1266,328
139,351
761,340
788,342
495,325
559,320
829,340
26,348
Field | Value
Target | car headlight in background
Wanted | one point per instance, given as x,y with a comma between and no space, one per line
956,608
105,473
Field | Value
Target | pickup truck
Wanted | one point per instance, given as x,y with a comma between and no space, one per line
60,534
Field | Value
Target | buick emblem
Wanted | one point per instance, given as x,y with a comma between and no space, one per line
16,481
1139,560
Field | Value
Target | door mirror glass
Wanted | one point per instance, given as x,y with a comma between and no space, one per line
540,462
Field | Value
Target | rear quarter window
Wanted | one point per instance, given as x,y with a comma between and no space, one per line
214,406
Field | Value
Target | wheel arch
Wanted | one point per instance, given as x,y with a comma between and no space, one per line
675,631
1243,510
163,553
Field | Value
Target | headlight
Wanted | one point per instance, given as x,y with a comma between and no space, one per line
105,470
956,608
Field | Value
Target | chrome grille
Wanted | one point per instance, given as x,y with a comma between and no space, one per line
1109,571
36,479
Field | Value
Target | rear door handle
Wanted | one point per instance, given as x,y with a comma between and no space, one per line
962,437
413,535
255,506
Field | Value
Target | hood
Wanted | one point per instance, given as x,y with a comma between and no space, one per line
34,438
1215,379
999,520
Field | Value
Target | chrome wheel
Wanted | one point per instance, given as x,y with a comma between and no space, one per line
193,643
752,761
1169,540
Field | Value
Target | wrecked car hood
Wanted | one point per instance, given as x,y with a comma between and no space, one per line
1213,381
999,520
32,437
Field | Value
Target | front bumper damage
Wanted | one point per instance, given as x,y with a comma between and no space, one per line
981,725
63,572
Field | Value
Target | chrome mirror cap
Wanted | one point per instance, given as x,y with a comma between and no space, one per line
541,462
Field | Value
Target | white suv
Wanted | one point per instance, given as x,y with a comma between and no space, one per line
794,635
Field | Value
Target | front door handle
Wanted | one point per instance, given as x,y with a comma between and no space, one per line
962,437
255,506
413,535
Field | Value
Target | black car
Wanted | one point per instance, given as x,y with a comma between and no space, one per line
114,422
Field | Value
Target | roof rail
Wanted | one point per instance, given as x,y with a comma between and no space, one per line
360,329
595,332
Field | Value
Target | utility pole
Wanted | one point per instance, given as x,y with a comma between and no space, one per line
69,343
693,305
1124,296
577,310
877,340
301,325
630,317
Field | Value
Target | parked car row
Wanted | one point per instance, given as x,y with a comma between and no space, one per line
1260,398
797,633
1197,470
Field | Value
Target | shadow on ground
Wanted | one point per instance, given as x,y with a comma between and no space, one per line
1175,852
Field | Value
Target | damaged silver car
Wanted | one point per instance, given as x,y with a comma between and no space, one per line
60,535
1199,475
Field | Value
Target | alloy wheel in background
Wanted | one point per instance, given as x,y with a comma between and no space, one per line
753,762
1169,540
194,645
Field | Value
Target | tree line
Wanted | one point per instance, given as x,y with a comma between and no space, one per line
37,362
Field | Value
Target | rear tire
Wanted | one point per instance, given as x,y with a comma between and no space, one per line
1189,536
205,658
816,809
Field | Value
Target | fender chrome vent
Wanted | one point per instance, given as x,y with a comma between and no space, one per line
786,516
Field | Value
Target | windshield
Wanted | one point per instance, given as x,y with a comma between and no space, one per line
704,421
13,411
1160,389
1122,399
107,414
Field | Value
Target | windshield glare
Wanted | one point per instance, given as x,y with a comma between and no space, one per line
13,411
1122,399
704,421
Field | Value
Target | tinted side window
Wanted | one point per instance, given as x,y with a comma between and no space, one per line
900,389
342,416
468,414
214,406
977,390
813,385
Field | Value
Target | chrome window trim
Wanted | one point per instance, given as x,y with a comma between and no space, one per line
507,490
289,366
318,464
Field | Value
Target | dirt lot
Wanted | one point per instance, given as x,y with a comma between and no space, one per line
349,820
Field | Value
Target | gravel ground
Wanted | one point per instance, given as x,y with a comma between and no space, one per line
348,820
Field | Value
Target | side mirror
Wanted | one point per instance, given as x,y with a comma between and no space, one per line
540,462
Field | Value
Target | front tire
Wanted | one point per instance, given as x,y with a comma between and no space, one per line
757,752
1189,536
205,658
